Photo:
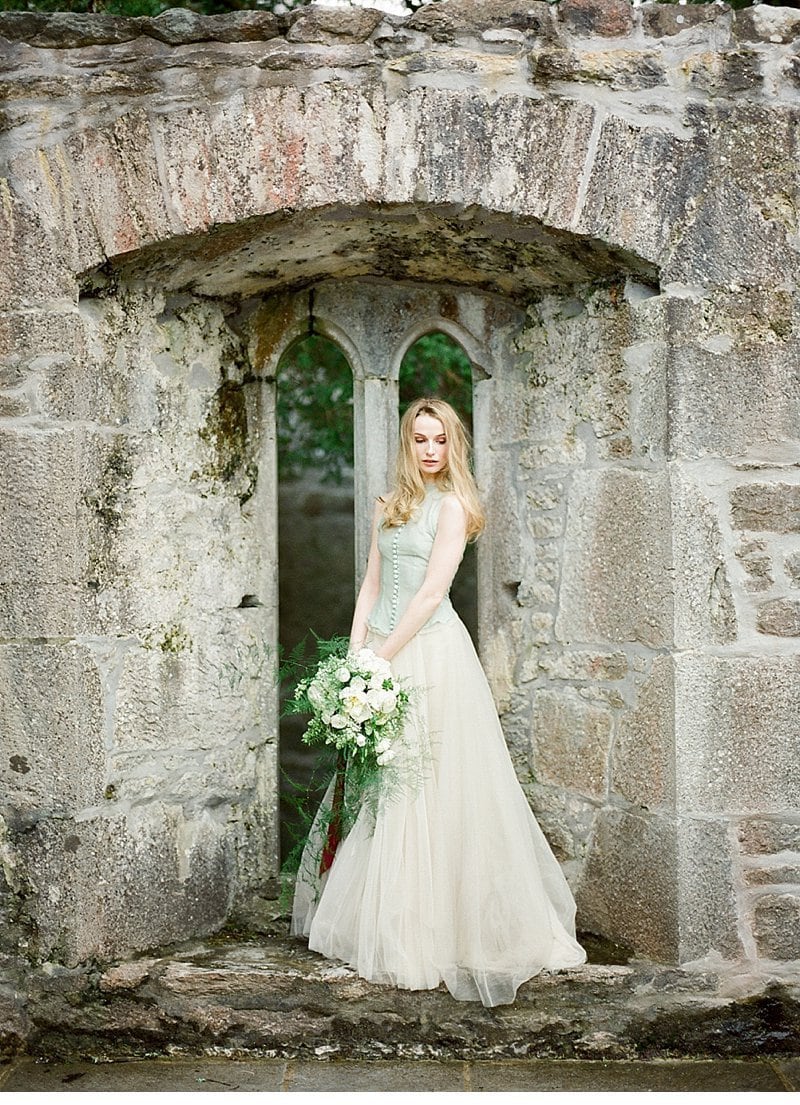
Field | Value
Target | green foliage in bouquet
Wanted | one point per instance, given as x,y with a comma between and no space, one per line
358,710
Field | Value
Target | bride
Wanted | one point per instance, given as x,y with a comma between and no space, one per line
452,879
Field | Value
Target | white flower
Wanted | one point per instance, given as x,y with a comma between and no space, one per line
316,695
361,740
343,674
338,721
383,745
385,757
383,701
357,684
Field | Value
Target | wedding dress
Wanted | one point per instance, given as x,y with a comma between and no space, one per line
450,879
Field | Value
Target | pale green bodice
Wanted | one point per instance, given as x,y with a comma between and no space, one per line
405,551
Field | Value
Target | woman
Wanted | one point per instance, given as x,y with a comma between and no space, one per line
451,880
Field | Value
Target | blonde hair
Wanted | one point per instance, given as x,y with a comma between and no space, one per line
409,491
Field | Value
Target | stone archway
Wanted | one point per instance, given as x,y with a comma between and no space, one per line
638,397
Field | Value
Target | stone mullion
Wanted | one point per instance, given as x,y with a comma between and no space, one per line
375,424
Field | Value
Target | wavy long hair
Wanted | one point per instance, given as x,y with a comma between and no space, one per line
409,489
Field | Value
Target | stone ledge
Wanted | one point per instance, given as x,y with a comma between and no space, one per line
269,996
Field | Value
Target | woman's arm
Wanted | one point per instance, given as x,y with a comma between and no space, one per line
368,593
448,548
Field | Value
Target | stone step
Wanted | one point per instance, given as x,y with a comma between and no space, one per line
269,996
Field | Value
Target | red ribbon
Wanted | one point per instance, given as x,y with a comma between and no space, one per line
334,837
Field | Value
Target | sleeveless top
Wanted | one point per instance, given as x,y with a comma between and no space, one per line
405,551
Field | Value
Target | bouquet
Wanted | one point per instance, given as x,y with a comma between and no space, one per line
357,705
359,709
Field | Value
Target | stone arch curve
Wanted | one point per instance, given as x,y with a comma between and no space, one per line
474,350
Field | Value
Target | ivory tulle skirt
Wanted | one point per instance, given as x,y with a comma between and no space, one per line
451,879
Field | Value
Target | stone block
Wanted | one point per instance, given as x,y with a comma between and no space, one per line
779,618
791,566
655,184
736,733
707,893
179,27
39,485
107,888
660,20
54,727
783,875
331,26
756,560
607,18
34,269
468,17
628,886
705,612
616,583
117,171
776,926
774,507
583,664
754,400
54,195
66,30
643,754
763,23
731,237
764,836
570,742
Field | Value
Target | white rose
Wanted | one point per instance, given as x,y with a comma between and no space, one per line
375,698
386,756
361,740
358,684
383,745
316,695
343,674
338,721
388,702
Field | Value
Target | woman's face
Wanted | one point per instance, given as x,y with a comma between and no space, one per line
430,445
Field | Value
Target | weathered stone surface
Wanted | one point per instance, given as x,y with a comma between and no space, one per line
792,568
757,562
66,30
180,26
171,168
628,878
666,19
767,506
736,733
53,711
709,898
618,68
643,758
164,877
773,876
779,618
759,836
616,584
704,606
327,26
446,20
571,739
763,23
777,925
609,18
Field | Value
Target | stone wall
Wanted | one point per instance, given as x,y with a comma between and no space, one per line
583,196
